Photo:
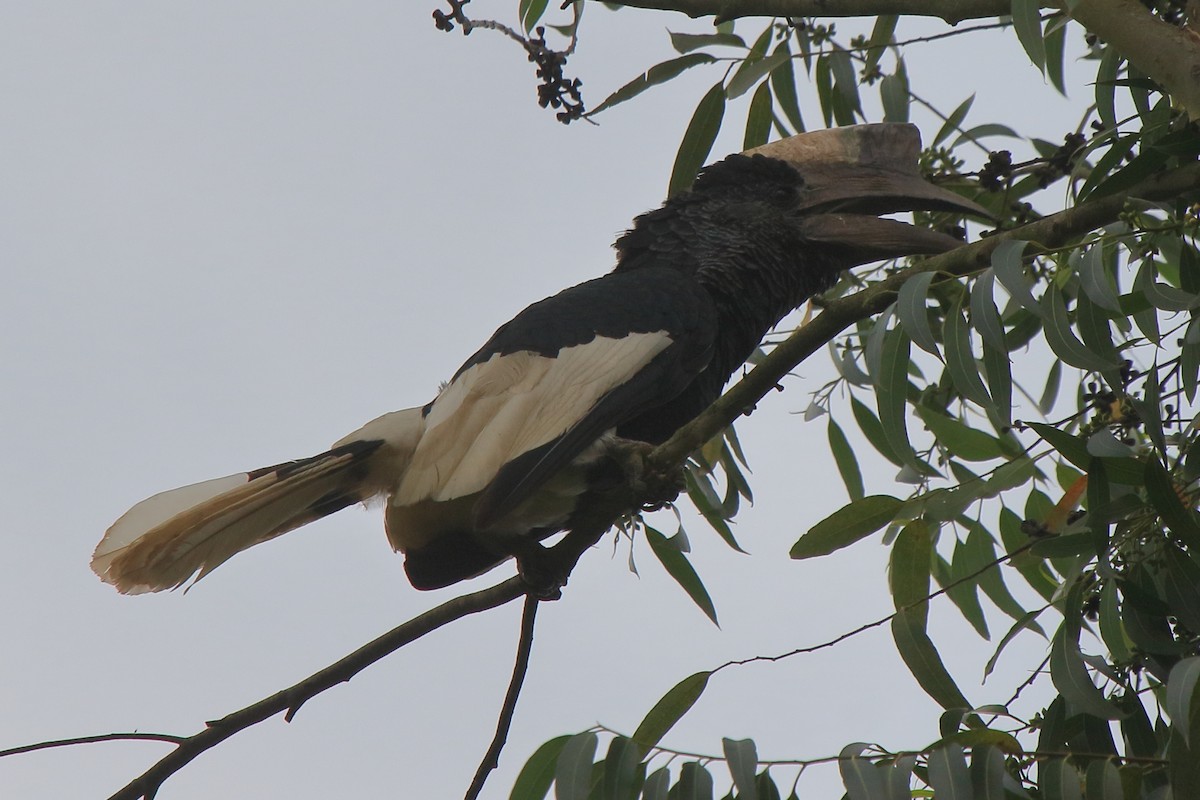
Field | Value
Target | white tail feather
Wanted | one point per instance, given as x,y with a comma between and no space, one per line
164,540
161,542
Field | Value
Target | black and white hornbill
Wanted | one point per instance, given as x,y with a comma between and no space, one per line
506,453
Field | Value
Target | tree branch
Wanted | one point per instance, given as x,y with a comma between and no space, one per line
491,759
952,11
1168,54
289,700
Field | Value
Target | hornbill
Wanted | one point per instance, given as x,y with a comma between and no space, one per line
537,420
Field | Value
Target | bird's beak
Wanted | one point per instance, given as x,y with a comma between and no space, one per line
854,173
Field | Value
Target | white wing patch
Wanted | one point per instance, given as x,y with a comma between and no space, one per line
511,404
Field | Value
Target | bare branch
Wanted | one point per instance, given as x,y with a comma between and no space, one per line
952,11
102,737
491,759
289,700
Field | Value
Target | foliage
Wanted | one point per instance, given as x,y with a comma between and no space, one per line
1091,504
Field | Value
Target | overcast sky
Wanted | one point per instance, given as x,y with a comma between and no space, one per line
232,232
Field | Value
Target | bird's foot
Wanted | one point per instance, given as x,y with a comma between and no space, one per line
653,488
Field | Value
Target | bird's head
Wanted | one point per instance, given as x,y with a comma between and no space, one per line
820,194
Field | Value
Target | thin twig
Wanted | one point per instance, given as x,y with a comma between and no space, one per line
101,737
491,759
882,621
289,700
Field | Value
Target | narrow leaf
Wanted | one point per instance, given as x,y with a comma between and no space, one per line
670,709
698,139
1062,339
742,757
923,660
960,358
913,313
908,567
621,765
758,118
1161,493
687,42
783,84
535,778
847,464
752,72
1028,25
892,396
985,318
847,525
954,121
961,440
679,568
859,776
659,73
695,782
1006,265
948,773
573,774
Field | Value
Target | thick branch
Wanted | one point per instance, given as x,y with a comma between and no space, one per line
1168,54
953,11
290,699
1055,230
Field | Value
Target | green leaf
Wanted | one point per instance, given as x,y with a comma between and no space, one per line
758,118
868,423
859,776
1056,37
845,82
1059,781
621,769
892,394
823,78
923,661
894,95
948,773
985,318
983,131
1062,339
908,567
573,774
881,36
742,758
1071,678
1113,158
987,773
960,358
687,42
659,73
847,464
1181,702
695,782
679,568
1160,295
752,72
1103,781
783,84
962,590
530,12
953,121
1050,393
1007,267
1028,25
535,778
911,308
998,368
1105,91
698,139
961,440
1026,622
1096,280
1160,491
847,525
670,709
657,784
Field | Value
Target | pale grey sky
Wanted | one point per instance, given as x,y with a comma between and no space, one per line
232,232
